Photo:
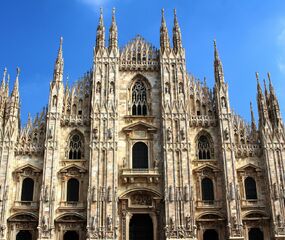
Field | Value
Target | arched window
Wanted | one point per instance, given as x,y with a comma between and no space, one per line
140,155
24,235
75,147
72,190
207,189
210,234
255,234
139,99
27,190
204,148
250,188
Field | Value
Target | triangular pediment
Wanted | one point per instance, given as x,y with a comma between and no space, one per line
27,168
205,167
140,126
248,167
73,169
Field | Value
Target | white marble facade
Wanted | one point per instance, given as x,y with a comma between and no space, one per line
140,149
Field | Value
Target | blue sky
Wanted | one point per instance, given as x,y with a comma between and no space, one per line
250,37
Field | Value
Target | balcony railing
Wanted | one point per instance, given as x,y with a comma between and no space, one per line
209,203
26,204
252,203
151,175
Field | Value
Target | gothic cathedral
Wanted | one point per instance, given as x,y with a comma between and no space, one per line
138,149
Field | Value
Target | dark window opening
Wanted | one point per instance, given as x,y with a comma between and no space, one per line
27,190
210,234
140,155
71,235
24,235
255,234
207,190
72,190
250,188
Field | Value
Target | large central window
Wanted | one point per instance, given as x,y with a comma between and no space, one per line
139,99
140,155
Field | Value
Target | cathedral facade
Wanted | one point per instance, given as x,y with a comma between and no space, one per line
138,149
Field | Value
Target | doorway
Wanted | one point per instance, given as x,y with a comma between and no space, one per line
24,235
255,234
141,227
71,235
210,234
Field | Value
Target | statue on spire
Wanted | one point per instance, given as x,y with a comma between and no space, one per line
177,41
100,35
164,38
113,32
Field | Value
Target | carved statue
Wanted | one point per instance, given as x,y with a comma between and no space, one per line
186,193
94,194
0,193
182,134
168,133
171,222
109,133
171,194
226,134
46,195
45,223
124,162
95,133
188,222
2,229
156,162
232,191
94,223
109,194
109,223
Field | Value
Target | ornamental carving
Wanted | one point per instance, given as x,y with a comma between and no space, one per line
141,199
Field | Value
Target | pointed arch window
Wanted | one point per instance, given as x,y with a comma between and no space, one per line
139,99
75,150
204,147
207,189
250,188
27,190
72,190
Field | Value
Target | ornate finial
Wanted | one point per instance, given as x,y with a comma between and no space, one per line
257,76
3,80
101,17
18,71
60,42
216,50
4,73
113,12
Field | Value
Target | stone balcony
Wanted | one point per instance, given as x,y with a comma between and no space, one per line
140,175
26,205
252,203
208,204
71,206
202,121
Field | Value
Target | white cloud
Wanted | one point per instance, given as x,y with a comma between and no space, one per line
281,65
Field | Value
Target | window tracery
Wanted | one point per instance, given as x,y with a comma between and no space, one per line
75,150
139,99
204,147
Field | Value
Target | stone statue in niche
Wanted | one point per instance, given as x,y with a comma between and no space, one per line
0,193
109,223
109,133
232,191
168,133
124,162
45,223
95,133
94,223
166,88
182,134
156,162
171,222
171,194
46,196
226,134
109,194
186,192
94,194
188,222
